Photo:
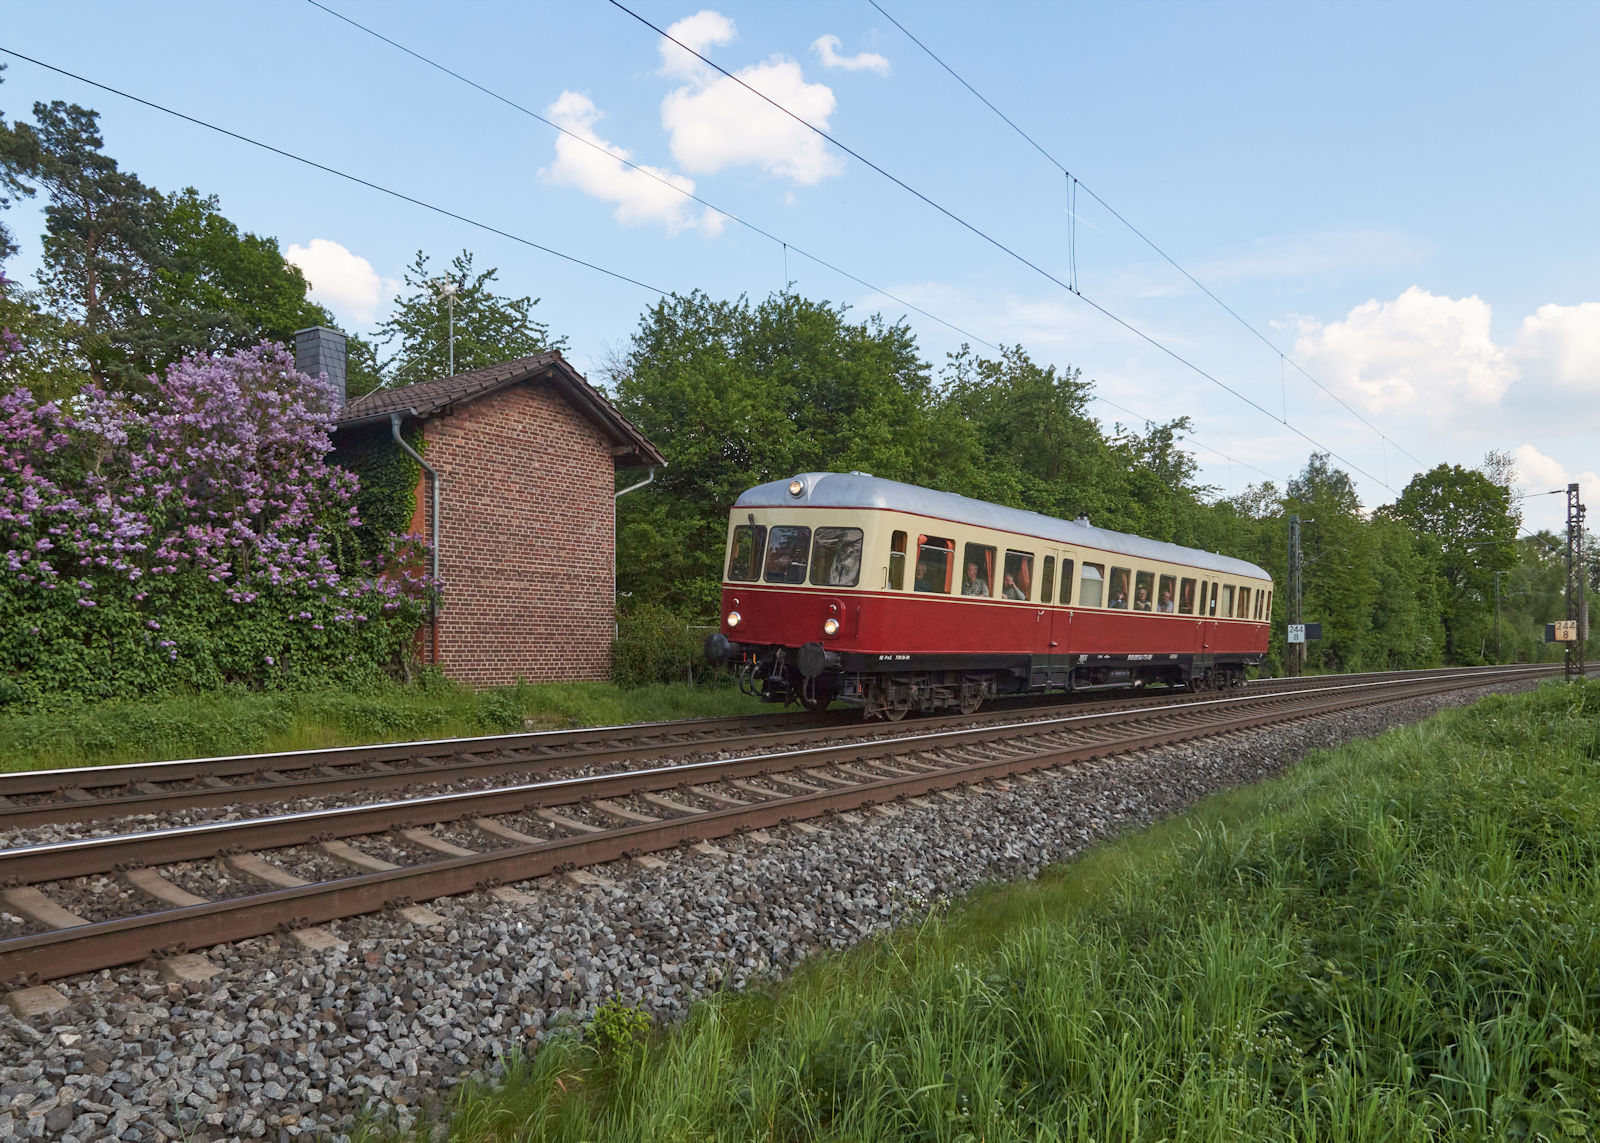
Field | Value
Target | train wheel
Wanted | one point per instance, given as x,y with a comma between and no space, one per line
971,699
815,699
896,713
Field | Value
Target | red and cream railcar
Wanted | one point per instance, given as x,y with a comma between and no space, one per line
898,598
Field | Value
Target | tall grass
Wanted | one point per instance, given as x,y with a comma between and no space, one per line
1399,940
244,722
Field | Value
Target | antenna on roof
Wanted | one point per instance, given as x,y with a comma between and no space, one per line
448,289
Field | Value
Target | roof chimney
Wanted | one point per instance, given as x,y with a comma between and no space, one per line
320,350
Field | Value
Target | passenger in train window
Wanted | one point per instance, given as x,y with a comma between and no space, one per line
1186,597
1009,588
1119,588
974,584
1144,586
1165,602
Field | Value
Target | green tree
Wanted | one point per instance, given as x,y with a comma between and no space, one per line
99,242
215,289
1469,524
488,327
44,358
1034,444
12,186
1340,580
735,395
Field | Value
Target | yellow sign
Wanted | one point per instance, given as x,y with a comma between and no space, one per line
1566,630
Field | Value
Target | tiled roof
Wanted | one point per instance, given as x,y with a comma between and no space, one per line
442,394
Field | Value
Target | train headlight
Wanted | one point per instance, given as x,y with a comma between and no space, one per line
796,486
733,618
830,626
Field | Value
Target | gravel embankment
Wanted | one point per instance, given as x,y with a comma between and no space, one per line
285,1043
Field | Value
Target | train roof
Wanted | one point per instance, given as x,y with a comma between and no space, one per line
858,490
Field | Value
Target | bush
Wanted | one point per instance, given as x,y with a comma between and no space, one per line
190,541
656,645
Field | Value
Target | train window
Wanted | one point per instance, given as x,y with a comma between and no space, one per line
933,563
1119,587
1164,601
1047,579
1186,597
1092,587
1066,581
1261,597
836,557
1017,583
1144,590
1227,600
977,576
1269,606
745,561
787,546
1211,606
1244,603
897,561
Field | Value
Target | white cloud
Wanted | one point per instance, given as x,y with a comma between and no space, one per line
343,281
714,123
1418,353
639,197
1538,473
1561,345
827,49
705,29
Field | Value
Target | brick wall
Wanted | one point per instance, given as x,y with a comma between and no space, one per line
529,540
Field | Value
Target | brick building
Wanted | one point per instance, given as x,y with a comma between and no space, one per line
522,458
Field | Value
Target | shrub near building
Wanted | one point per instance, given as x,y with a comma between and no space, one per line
191,539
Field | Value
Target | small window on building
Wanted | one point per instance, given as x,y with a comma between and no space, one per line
1186,597
836,557
1227,600
977,570
1066,581
744,564
934,559
897,561
1144,591
1047,579
1017,582
1091,588
1164,594
787,547
1119,587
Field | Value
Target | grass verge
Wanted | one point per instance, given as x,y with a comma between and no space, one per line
250,722
1399,940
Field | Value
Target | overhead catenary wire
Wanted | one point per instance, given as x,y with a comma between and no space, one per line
495,229
1146,239
730,215
357,179
648,173
993,241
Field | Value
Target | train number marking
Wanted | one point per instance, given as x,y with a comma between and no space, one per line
894,658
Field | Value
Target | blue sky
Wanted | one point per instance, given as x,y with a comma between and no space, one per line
1399,196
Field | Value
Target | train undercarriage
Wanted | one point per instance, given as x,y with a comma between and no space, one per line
960,684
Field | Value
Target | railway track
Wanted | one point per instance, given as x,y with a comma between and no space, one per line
92,794
98,902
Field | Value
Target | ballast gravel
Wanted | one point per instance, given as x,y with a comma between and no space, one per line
284,1043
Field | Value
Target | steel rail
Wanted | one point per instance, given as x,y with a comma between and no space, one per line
107,944
54,861
447,760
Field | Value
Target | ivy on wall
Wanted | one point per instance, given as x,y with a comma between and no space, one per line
387,497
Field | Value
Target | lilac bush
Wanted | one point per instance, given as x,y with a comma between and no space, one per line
193,538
